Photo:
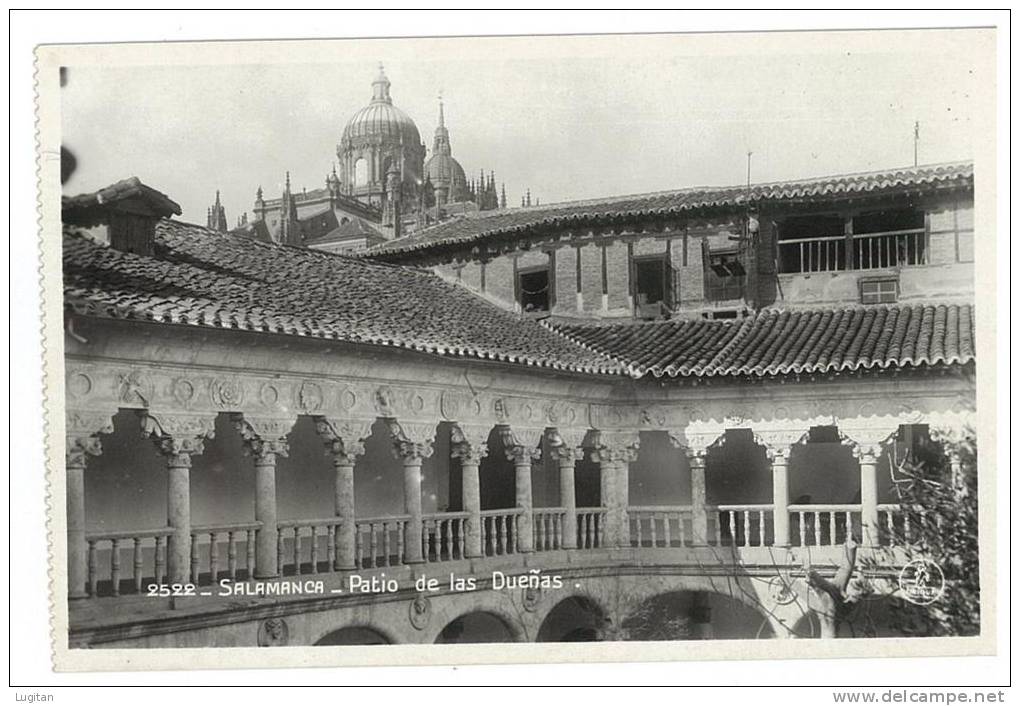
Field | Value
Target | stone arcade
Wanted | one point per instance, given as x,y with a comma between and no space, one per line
243,411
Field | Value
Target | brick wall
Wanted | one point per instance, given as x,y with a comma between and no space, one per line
618,276
499,279
591,277
566,287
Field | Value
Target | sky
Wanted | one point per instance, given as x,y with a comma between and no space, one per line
566,117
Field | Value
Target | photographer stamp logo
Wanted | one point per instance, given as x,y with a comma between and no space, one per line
922,582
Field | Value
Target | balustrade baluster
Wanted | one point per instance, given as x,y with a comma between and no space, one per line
115,567
297,551
315,549
733,526
448,538
461,536
214,558
667,540
138,564
653,522
801,526
331,557
400,541
747,528
160,558
818,529
93,577
359,548
280,546
232,555
386,543
249,552
195,565
501,533
373,544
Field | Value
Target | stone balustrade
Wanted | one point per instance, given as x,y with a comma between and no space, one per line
112,563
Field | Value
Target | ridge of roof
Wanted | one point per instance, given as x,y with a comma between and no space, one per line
471,227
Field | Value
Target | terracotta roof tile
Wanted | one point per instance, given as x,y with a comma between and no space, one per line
485,225
203,278
776,342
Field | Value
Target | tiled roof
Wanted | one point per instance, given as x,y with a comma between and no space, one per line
203,278
91,209
354,228
776,342
482,225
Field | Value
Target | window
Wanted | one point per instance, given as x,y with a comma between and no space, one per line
361,172
879,291
724,274
653,283
533,289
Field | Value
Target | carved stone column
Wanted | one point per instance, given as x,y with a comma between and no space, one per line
780,458
615,451
344,444
565,449
867,456
695,445
265,439
178,438
469,444
778,443
867,446
696,458
523,448
79,447
412,444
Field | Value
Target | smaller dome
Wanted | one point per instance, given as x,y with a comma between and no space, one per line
444,171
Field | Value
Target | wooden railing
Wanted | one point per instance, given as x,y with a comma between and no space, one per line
443,535
742,525
868,251
379,541
591,527
824,525
499,531
659,526
548,532
206,570
148,550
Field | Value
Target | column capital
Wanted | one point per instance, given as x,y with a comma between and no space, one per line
778,443
866,443
344,439
522,445
696,443
265,438
80,447
412,441
469,443
616,446
565,444
178,436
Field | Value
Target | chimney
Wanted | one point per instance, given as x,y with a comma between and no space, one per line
130,211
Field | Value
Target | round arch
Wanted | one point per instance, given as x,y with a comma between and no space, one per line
354,635
687,614
477,627
576,618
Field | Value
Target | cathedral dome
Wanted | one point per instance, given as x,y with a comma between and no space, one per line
380,121
444,170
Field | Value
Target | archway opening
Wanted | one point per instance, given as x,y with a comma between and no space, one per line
574,619
358,635
694,615
737,472
474,628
